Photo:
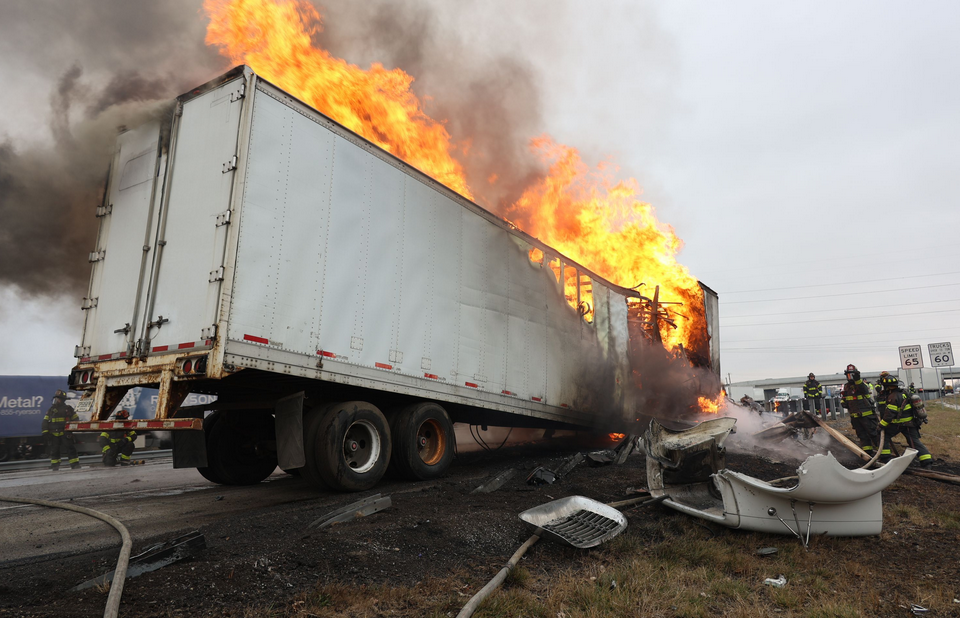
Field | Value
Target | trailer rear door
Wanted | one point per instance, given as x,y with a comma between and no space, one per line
123,249
184,292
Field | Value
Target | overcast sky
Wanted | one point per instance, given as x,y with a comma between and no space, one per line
806,153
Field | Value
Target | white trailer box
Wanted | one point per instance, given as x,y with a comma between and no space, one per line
254,249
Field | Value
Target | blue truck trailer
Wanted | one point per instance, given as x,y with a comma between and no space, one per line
24,400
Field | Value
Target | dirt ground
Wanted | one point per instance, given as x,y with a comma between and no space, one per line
270,556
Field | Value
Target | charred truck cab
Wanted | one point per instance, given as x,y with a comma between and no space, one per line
344,307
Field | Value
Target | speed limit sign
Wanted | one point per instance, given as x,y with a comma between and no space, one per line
910,357
941,354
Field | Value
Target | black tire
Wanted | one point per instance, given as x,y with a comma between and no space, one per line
4,451
209,472
423,442
236,450
311,426
350,446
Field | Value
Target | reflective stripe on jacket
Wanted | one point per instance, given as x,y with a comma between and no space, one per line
856,397
812,389
56,418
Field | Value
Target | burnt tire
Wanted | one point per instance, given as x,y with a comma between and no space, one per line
349,447
423,442
209,472
237,449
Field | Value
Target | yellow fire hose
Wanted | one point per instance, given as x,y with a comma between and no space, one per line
120,574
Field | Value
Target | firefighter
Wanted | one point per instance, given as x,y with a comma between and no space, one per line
855,397
54,421
912,390
813,393
117,444
897,411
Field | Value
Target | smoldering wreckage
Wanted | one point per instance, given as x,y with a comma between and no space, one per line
539,340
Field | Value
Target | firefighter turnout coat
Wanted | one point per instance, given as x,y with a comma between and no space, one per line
812,389
52,429
117,445
856,398
898,417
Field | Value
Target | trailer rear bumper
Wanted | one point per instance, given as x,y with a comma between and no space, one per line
106,382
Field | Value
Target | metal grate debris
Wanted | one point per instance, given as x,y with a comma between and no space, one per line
582,528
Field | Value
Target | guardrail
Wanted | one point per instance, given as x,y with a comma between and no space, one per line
85,460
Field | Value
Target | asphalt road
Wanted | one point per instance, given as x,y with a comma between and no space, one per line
150,499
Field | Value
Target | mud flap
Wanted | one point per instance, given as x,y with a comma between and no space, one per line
289,426
189,449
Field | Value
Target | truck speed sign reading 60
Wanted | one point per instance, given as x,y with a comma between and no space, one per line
910,357
941,354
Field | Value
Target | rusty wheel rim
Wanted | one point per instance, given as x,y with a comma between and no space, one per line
431,442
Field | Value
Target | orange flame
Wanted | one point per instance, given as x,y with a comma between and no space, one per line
602,224
710,406
584,214
274,37
617,436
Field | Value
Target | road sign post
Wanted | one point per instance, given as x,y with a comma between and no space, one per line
941,355
911,357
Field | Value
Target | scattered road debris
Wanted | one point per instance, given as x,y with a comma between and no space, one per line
153,558
918,610
600,458
689,467
767,551
624,449
779,582
568,466
496,482
541,476
361,508
575,521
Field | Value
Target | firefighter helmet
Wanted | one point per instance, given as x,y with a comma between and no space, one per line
852,372
811,376
62,396
121,415
889,382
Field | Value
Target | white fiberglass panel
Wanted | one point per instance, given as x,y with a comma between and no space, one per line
443,321
416,304
382,281
280,260
344,291
187,291
116,275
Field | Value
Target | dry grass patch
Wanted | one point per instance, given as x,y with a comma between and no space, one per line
943,428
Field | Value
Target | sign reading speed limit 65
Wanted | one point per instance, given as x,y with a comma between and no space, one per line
910,357
941,354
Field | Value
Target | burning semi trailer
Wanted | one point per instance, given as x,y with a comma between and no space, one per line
346,308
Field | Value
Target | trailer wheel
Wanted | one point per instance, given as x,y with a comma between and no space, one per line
4,451
209,472
349,446
423,442
236,451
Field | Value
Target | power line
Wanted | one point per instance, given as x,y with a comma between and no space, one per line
774,300
831,260
759,315
886,332
820,285
862,317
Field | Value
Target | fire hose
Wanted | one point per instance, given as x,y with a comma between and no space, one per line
494,583
116,587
